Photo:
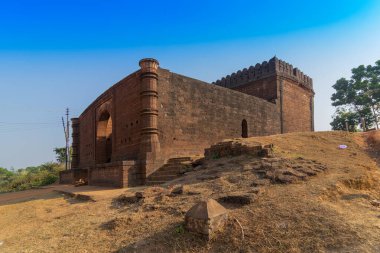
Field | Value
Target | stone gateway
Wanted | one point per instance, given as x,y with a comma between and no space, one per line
154,117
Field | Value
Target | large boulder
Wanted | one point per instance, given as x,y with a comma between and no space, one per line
206,218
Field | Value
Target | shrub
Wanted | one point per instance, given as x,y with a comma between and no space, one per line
29,177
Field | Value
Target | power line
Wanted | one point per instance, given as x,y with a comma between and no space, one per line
24,129
27,123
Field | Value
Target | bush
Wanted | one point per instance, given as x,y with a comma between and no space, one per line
30,177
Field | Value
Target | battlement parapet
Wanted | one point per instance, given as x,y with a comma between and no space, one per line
275,66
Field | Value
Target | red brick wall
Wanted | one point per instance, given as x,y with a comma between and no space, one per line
123,103
126,119
193,114
71,176
297,115
116,174
265,88
296,104
66,177
87,138
109,175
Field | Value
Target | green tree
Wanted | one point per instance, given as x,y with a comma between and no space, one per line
60,154
5,175
358,97
352,118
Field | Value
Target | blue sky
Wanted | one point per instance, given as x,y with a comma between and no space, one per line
57,54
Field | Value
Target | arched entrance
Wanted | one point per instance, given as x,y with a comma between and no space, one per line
104,138
244,129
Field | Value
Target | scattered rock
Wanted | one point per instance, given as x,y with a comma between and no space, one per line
255,190
123,200
307,171
177,189
286,171
355,196
234,179
284,179
266,152
151,192
162,198
292,172
206,218
193,193
232,148
240,199
260,182
375,203
115,223
140,195
151,207
198,162
207,177
256,166
185,168
198,167
247,167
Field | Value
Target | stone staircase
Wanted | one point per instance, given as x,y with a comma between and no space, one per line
174,168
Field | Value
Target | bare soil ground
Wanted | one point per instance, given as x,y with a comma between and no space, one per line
311,197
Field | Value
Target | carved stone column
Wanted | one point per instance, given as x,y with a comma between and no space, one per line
75,143
149,143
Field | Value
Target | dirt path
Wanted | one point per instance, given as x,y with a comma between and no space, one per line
46,192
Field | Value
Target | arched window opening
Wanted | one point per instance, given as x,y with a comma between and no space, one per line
244,129
104,138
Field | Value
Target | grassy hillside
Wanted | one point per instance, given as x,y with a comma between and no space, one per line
311,197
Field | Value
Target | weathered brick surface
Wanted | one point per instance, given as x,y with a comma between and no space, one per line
277,81
66,177
153,115
265,88
193,115
122,101
71,176
116,174
297,112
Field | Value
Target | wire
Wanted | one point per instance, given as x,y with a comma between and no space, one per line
23,130
27,123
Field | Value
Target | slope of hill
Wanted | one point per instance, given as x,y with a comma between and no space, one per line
311,196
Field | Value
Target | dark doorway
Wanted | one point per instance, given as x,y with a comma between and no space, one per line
244,129
104,138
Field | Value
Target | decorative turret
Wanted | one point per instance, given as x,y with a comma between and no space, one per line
263,70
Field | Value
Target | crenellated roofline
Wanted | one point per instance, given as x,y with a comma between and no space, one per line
266,69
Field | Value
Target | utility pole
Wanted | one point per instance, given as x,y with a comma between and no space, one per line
68,139
64,130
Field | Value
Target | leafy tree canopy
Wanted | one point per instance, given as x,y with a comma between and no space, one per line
357,98
60,154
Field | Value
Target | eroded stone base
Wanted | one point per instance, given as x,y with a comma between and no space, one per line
117,174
